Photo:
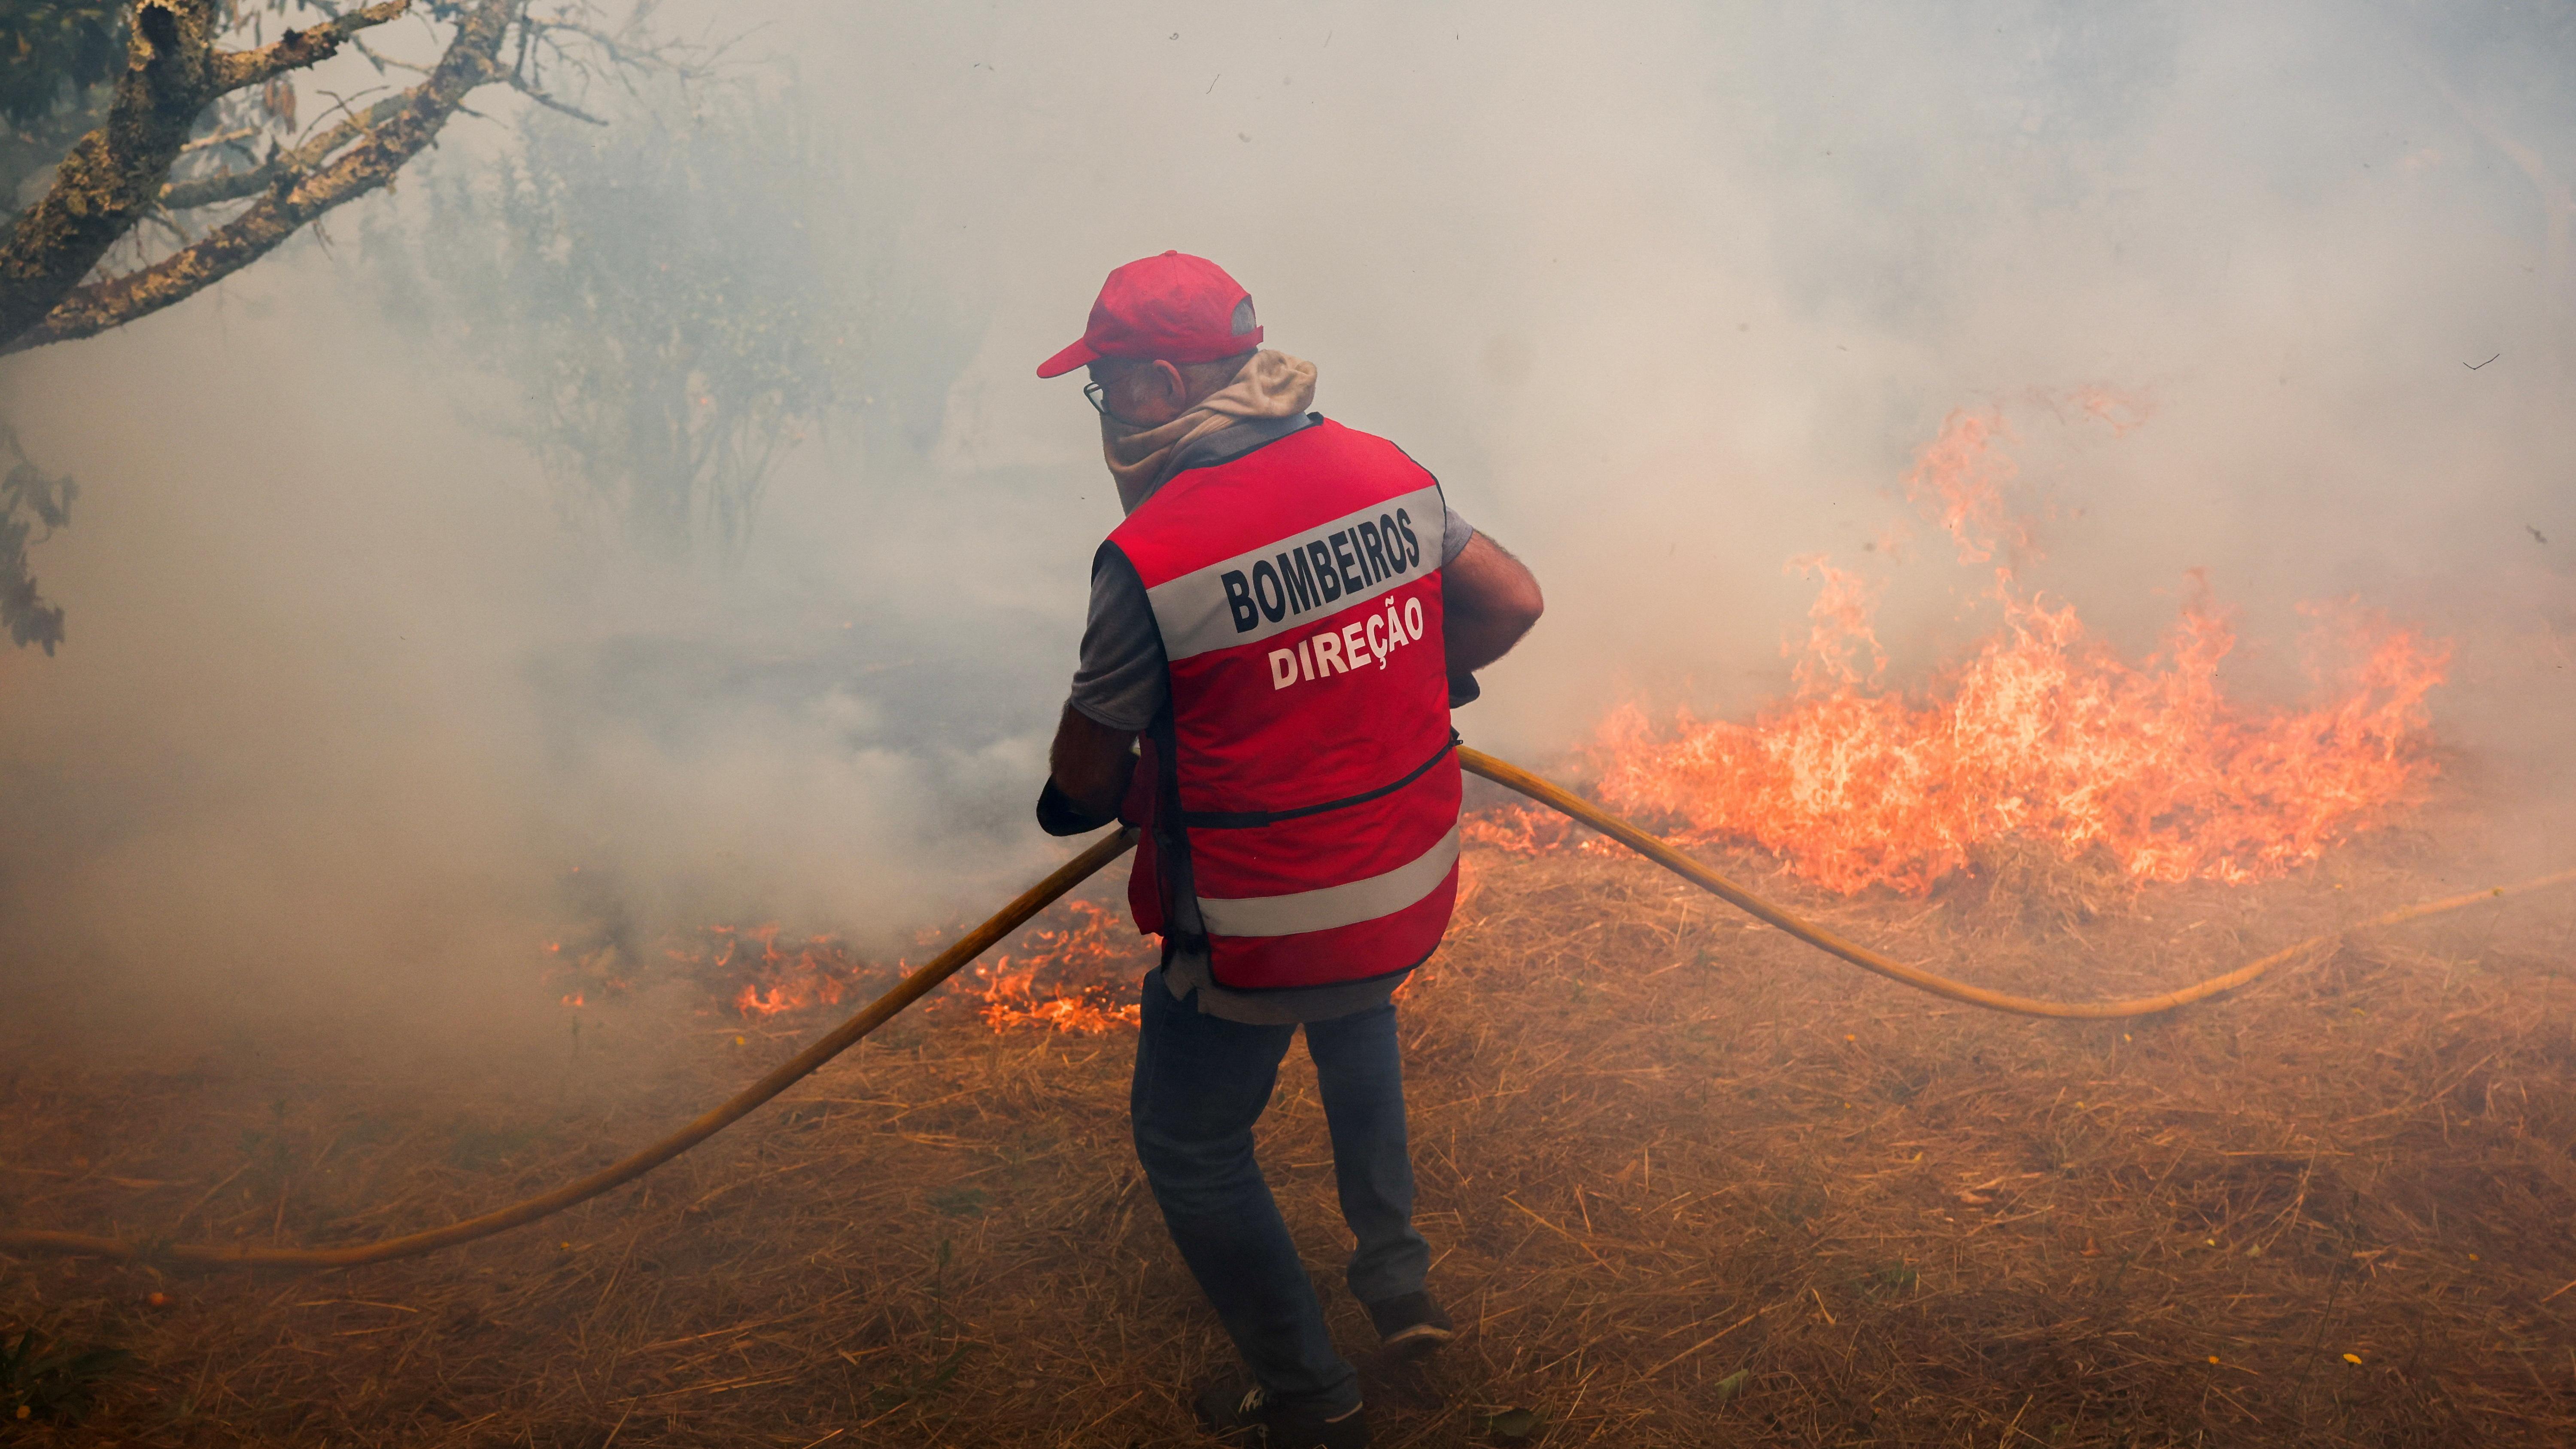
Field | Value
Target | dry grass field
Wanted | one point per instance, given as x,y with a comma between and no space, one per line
1687,1182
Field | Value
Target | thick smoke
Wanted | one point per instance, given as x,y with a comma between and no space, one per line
1665,296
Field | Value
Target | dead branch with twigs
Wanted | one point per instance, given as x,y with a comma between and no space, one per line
55,281
113,175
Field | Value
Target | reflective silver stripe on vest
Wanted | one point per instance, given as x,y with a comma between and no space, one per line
1341,905
1197,612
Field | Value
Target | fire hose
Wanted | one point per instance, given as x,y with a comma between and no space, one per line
1036,898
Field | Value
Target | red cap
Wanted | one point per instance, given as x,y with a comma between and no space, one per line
1175,307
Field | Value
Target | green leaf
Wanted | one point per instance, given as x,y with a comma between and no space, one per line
1733,1384
1514,1426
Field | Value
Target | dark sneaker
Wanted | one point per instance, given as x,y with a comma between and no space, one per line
1241,1413
1412,1325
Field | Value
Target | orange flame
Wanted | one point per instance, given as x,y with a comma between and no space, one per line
1088,964
599,969
1959,478
2044,733
819,974
1070,972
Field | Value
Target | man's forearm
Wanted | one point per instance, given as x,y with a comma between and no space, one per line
1090,762
1488,601
1476,639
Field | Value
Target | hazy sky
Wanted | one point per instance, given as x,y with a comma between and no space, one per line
1664,294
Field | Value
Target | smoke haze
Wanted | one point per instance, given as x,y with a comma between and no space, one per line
1665,296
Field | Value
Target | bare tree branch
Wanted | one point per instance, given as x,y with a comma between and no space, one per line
115,174
297,49
295,192
222,186
300,159
383,63
551,104
608,44
112,174
220,138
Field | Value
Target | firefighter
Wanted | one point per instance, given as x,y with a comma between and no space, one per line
1277,634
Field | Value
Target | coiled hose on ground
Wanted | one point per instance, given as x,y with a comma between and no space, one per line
1072,873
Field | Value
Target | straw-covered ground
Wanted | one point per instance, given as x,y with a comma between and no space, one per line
1687,1183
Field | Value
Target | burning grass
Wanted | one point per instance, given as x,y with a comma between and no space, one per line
1685,1182
2043,733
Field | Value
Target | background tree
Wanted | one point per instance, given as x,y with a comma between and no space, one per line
664,302
168,150
151,148
30,499
56,59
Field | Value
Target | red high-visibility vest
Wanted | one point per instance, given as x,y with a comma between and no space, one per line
1302,790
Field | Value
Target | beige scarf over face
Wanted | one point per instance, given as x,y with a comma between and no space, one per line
1271,385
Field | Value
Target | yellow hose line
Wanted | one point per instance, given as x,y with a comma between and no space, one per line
1072,873
1558,798
840,1039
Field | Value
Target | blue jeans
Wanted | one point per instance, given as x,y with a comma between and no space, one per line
1201,1082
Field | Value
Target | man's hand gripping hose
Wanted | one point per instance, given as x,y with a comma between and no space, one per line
1073,872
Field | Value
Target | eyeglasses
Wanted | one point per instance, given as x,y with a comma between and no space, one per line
1098,396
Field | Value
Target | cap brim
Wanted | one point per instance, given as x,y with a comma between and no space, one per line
1080,354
